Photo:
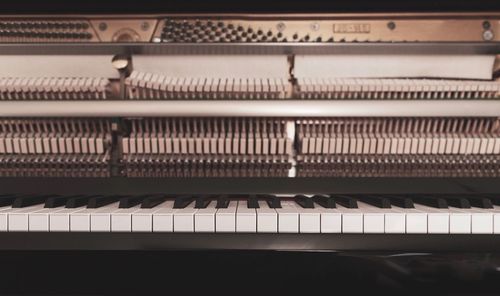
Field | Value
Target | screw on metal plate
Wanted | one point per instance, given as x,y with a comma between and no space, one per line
315,26
145,26
281,26
391,25
488,35
103,26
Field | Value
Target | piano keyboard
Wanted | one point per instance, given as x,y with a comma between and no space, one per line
389,214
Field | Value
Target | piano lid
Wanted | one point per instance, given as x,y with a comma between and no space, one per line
254,6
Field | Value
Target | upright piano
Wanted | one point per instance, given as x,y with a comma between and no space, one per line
279,126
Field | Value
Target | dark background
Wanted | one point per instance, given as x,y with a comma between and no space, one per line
247,273
262,6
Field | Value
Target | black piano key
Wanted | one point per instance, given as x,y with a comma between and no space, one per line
78,201
152,201
202,202
480,202
324,201
304,201
377,201
495,200
101,201
130,201
56,201
401,201
272,201
7,200
458,202
182,201
253,202
346,201
431,201
29,200
222,202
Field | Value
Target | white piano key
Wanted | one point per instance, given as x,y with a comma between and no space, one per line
225,218
204,219
373,218
19,219
246,219
309,220
352,220
163,218
267,218
460,221
438,223
184,219
331,219
416,221
331,222
4,218
496,219
481,220
288,217
395,220
142,220
121,219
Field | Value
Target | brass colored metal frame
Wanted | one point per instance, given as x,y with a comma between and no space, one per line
376,27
